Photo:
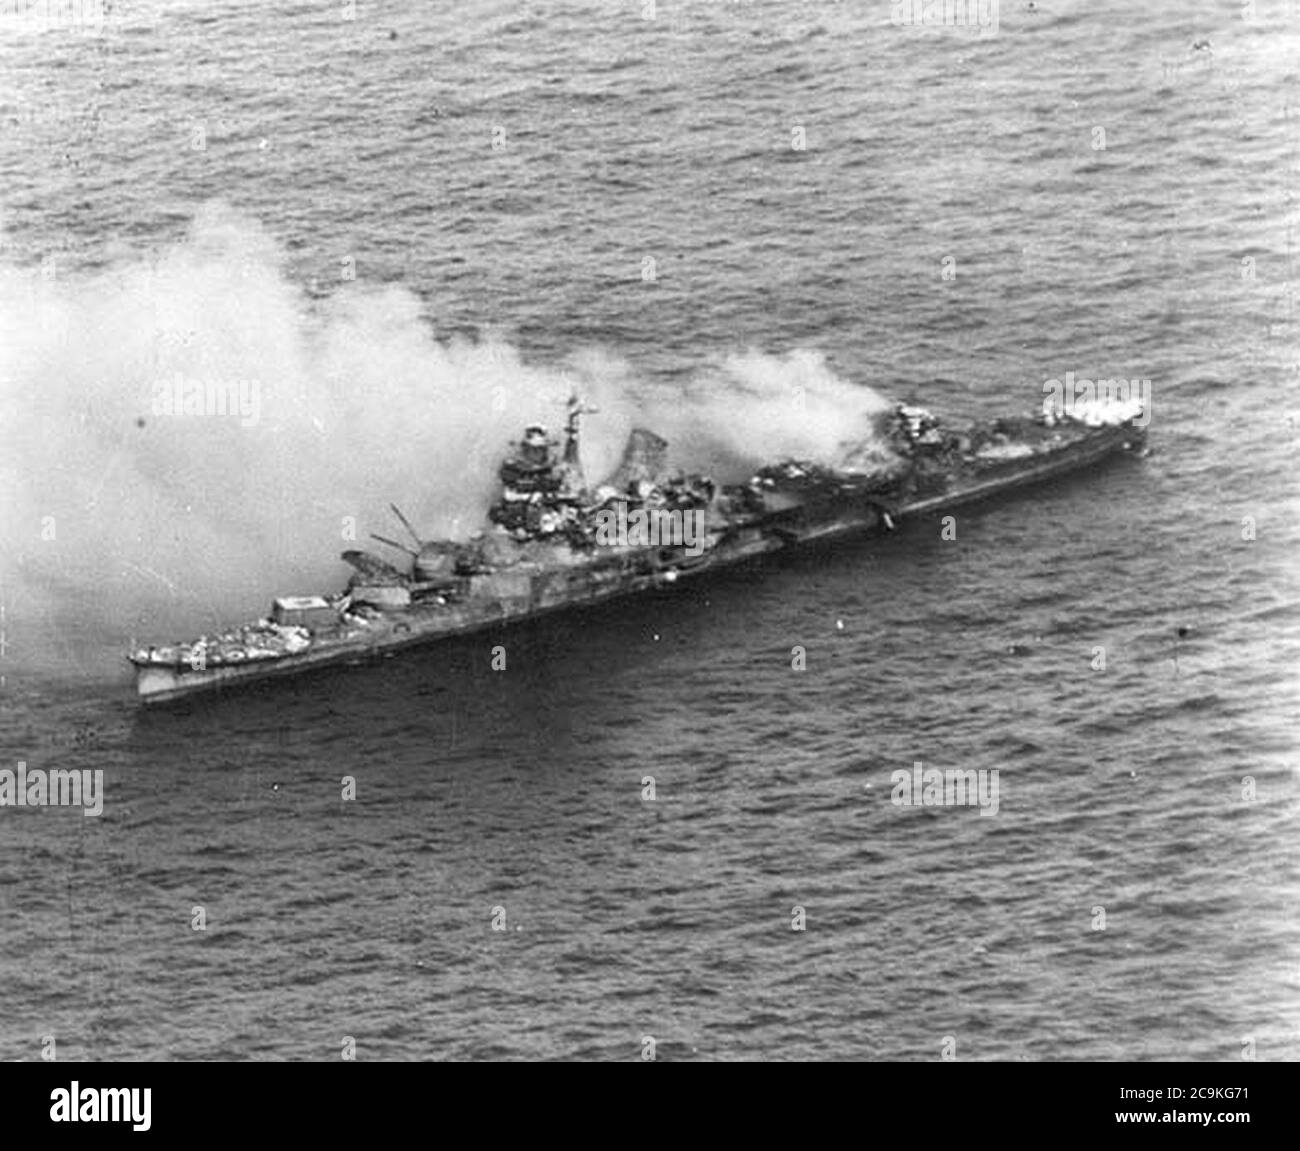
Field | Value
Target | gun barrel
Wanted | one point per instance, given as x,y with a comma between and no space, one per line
407,525
395,544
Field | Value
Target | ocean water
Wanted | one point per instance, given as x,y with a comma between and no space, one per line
391,221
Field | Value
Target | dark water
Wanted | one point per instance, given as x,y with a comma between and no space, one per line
1121,789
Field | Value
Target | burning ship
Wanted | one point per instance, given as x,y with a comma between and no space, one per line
553,542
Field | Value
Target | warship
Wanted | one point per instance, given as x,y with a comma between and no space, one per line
553,542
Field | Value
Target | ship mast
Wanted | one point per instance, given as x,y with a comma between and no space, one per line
577,409
574,483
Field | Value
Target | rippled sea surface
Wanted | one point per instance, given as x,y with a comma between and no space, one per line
1168,253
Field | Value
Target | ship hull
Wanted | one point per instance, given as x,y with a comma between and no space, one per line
1107,442
623,572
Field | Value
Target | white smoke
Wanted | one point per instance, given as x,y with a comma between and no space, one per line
150,518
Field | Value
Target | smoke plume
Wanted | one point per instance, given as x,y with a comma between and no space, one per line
183,436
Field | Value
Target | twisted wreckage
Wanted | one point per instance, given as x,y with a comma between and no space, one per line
555,542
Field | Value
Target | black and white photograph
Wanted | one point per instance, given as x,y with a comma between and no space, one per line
652,531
